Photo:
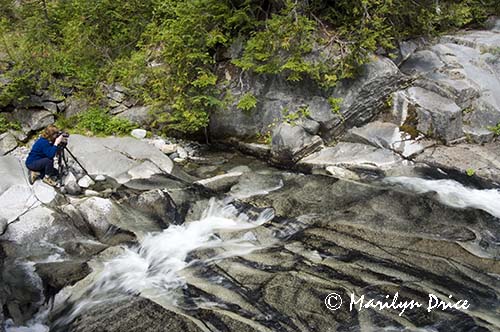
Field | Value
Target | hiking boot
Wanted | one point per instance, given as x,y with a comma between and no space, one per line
50,181
33,176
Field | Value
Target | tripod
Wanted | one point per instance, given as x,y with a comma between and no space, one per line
62,163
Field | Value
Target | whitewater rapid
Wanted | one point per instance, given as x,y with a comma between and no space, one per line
453,193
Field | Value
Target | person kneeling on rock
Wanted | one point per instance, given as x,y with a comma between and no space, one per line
40,161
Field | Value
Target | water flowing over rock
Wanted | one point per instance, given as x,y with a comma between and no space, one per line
325,236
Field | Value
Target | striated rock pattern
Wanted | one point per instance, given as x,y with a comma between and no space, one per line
373,240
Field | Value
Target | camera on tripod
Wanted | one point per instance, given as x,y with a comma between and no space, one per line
64,140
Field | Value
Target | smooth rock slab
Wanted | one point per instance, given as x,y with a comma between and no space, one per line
221,182
352,155
16,195
385,135
31,226
483,159
43,192
7,143
121,158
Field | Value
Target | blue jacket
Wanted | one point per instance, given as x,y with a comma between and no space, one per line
41,149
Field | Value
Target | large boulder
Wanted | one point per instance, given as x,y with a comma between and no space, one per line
463,69
56,275
353,156
386,135
123,159
23,291
156,205
291,143
74,106
32,119
362,99
436,116
115,223
141,115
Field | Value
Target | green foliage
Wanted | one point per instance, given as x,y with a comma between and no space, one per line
495,130
247,102
6,125
335,104
293,117
96,121
167,53
264,138
470,172
281,45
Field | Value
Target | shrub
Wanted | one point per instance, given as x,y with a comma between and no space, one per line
6,125
97,121
247,102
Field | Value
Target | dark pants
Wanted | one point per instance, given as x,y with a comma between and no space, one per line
45,166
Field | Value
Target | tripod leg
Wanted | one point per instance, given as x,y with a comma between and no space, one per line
79,164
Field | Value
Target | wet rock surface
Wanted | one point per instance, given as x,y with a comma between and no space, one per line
369,239
131,314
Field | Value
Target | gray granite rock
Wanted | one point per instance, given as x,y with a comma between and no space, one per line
85,182
116,96
32,119
75,106
362,99
291,143
139,133
71,185
16,195
464,68
385,135
478,135
437,117
3,226
141,115
7,143
118,109
120,158
50,106
483,160
221,182
352,156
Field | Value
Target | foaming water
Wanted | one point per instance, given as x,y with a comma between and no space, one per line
453,193
155,263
